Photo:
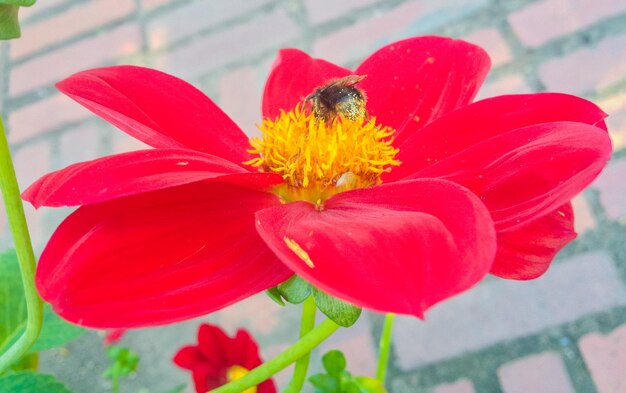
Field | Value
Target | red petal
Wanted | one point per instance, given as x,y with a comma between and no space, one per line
158,257
158,109
246,352
205,378
413,82
294,76
137,172
215,345
113,336
266,387
188,357
485,119
400,247
527,252
526,173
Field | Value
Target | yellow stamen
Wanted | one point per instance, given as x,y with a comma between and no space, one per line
313,156
236,372
299,251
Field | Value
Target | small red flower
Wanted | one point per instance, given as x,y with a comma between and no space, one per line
192,226
113,336
219,359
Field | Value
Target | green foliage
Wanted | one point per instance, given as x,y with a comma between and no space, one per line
334,362
27,381
9,24
342,313
55,332
295,290
274,294
12,304
338,380
125,362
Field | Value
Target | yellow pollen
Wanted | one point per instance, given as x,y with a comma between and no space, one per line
236,372
317,158
299,251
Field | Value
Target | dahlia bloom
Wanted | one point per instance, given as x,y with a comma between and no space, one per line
394,213
219,359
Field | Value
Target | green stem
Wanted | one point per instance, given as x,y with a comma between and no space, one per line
290,355
385,346
25,255
302,364
116,384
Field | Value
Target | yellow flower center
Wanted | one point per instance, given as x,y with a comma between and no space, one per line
318,159
236,372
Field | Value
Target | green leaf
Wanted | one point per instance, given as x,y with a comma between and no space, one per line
342,313
370,385
339,380
334,362
125,362
21,3
324,383
274,294
295,290
26,381
12,304
9,24
351,386
55,332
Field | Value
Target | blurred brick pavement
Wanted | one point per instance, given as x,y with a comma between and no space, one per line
565,332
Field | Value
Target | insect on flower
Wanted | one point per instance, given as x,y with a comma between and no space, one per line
339,97
394,213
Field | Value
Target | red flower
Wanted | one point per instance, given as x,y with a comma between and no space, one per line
187,228
113,336
219,359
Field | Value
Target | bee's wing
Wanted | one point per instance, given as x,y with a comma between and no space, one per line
349,80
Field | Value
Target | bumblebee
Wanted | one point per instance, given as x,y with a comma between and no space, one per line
340,97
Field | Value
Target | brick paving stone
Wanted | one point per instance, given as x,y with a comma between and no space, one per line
358,346
605,356
265,32
461,386
318,10
240,97
195,16
612,189
413,18
49,113
152,4
122,142
587,69
83,17
615,106
542,21
583,217
104,48
500,310
31,162
511,84
258,313
491,40
79,144
40,7
541,373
